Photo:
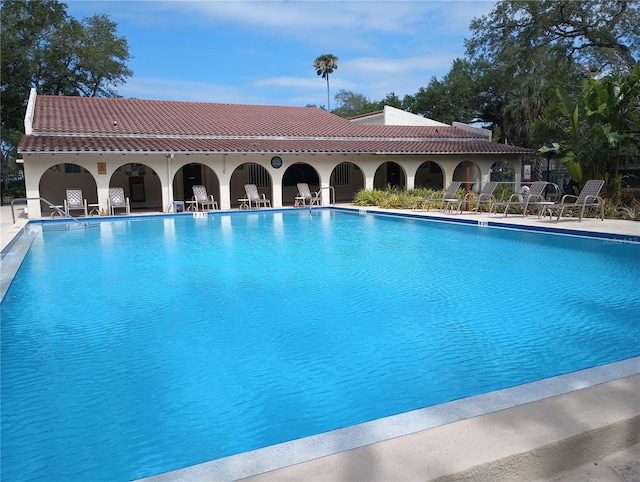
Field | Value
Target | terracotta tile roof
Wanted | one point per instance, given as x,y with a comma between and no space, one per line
163,144
83,124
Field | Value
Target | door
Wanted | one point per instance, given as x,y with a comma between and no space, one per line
191,176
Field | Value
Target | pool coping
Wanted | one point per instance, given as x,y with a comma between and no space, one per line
300,451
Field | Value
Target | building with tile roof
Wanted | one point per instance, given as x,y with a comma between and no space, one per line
157,150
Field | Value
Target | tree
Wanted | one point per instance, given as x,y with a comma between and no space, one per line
392,100
599,35
520,52
43,48
454,98
325,65
599,128
352,104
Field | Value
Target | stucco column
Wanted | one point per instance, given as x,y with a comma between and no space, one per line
447,172
102,186
276,192
225,190
411,181
32,189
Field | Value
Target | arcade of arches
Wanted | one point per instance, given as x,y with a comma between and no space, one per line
148,187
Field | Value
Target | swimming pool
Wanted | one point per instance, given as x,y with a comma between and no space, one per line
160,343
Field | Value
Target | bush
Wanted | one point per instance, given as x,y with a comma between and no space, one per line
366,197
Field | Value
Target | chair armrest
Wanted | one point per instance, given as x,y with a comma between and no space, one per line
591,198
567,196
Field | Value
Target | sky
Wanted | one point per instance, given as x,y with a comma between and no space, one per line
262,52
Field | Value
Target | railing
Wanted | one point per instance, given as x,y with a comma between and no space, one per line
317,196
50,204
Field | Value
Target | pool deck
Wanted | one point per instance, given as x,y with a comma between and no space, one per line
583,426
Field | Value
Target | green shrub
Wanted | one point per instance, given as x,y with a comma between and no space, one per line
367,197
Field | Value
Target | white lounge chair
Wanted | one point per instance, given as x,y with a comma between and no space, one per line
305,195
589,198
117,200
254,197
438,196
75,202
203,199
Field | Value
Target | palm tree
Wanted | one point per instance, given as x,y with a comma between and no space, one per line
325,65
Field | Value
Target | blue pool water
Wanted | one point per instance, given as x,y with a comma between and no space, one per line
154,344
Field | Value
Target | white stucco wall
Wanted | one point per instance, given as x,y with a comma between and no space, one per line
222,176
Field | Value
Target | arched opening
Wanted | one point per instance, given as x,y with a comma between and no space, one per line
469,174
58,178
347,179
390,174
298,172
249,173
194,174
429,176
502,171
141,185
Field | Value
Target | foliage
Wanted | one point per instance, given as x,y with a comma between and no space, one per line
392,100
519,53
367,197
325,65
452,99
352,104
392,198
602,36
599,129
43,48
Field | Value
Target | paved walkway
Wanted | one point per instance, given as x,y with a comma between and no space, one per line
594,432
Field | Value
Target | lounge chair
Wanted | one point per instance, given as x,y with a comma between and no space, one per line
117,200
254,197
438,196
589,197
201,198
528,196
75,202
305,195
485,197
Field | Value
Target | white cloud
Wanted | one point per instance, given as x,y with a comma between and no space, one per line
368,67
383,46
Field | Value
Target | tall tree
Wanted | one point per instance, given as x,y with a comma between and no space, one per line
43,48
600,35
392,100
352,104
325,65
498,83
599,128
454,98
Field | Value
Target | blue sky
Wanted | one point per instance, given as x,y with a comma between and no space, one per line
262,52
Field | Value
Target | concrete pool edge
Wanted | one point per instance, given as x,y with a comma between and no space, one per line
301,451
